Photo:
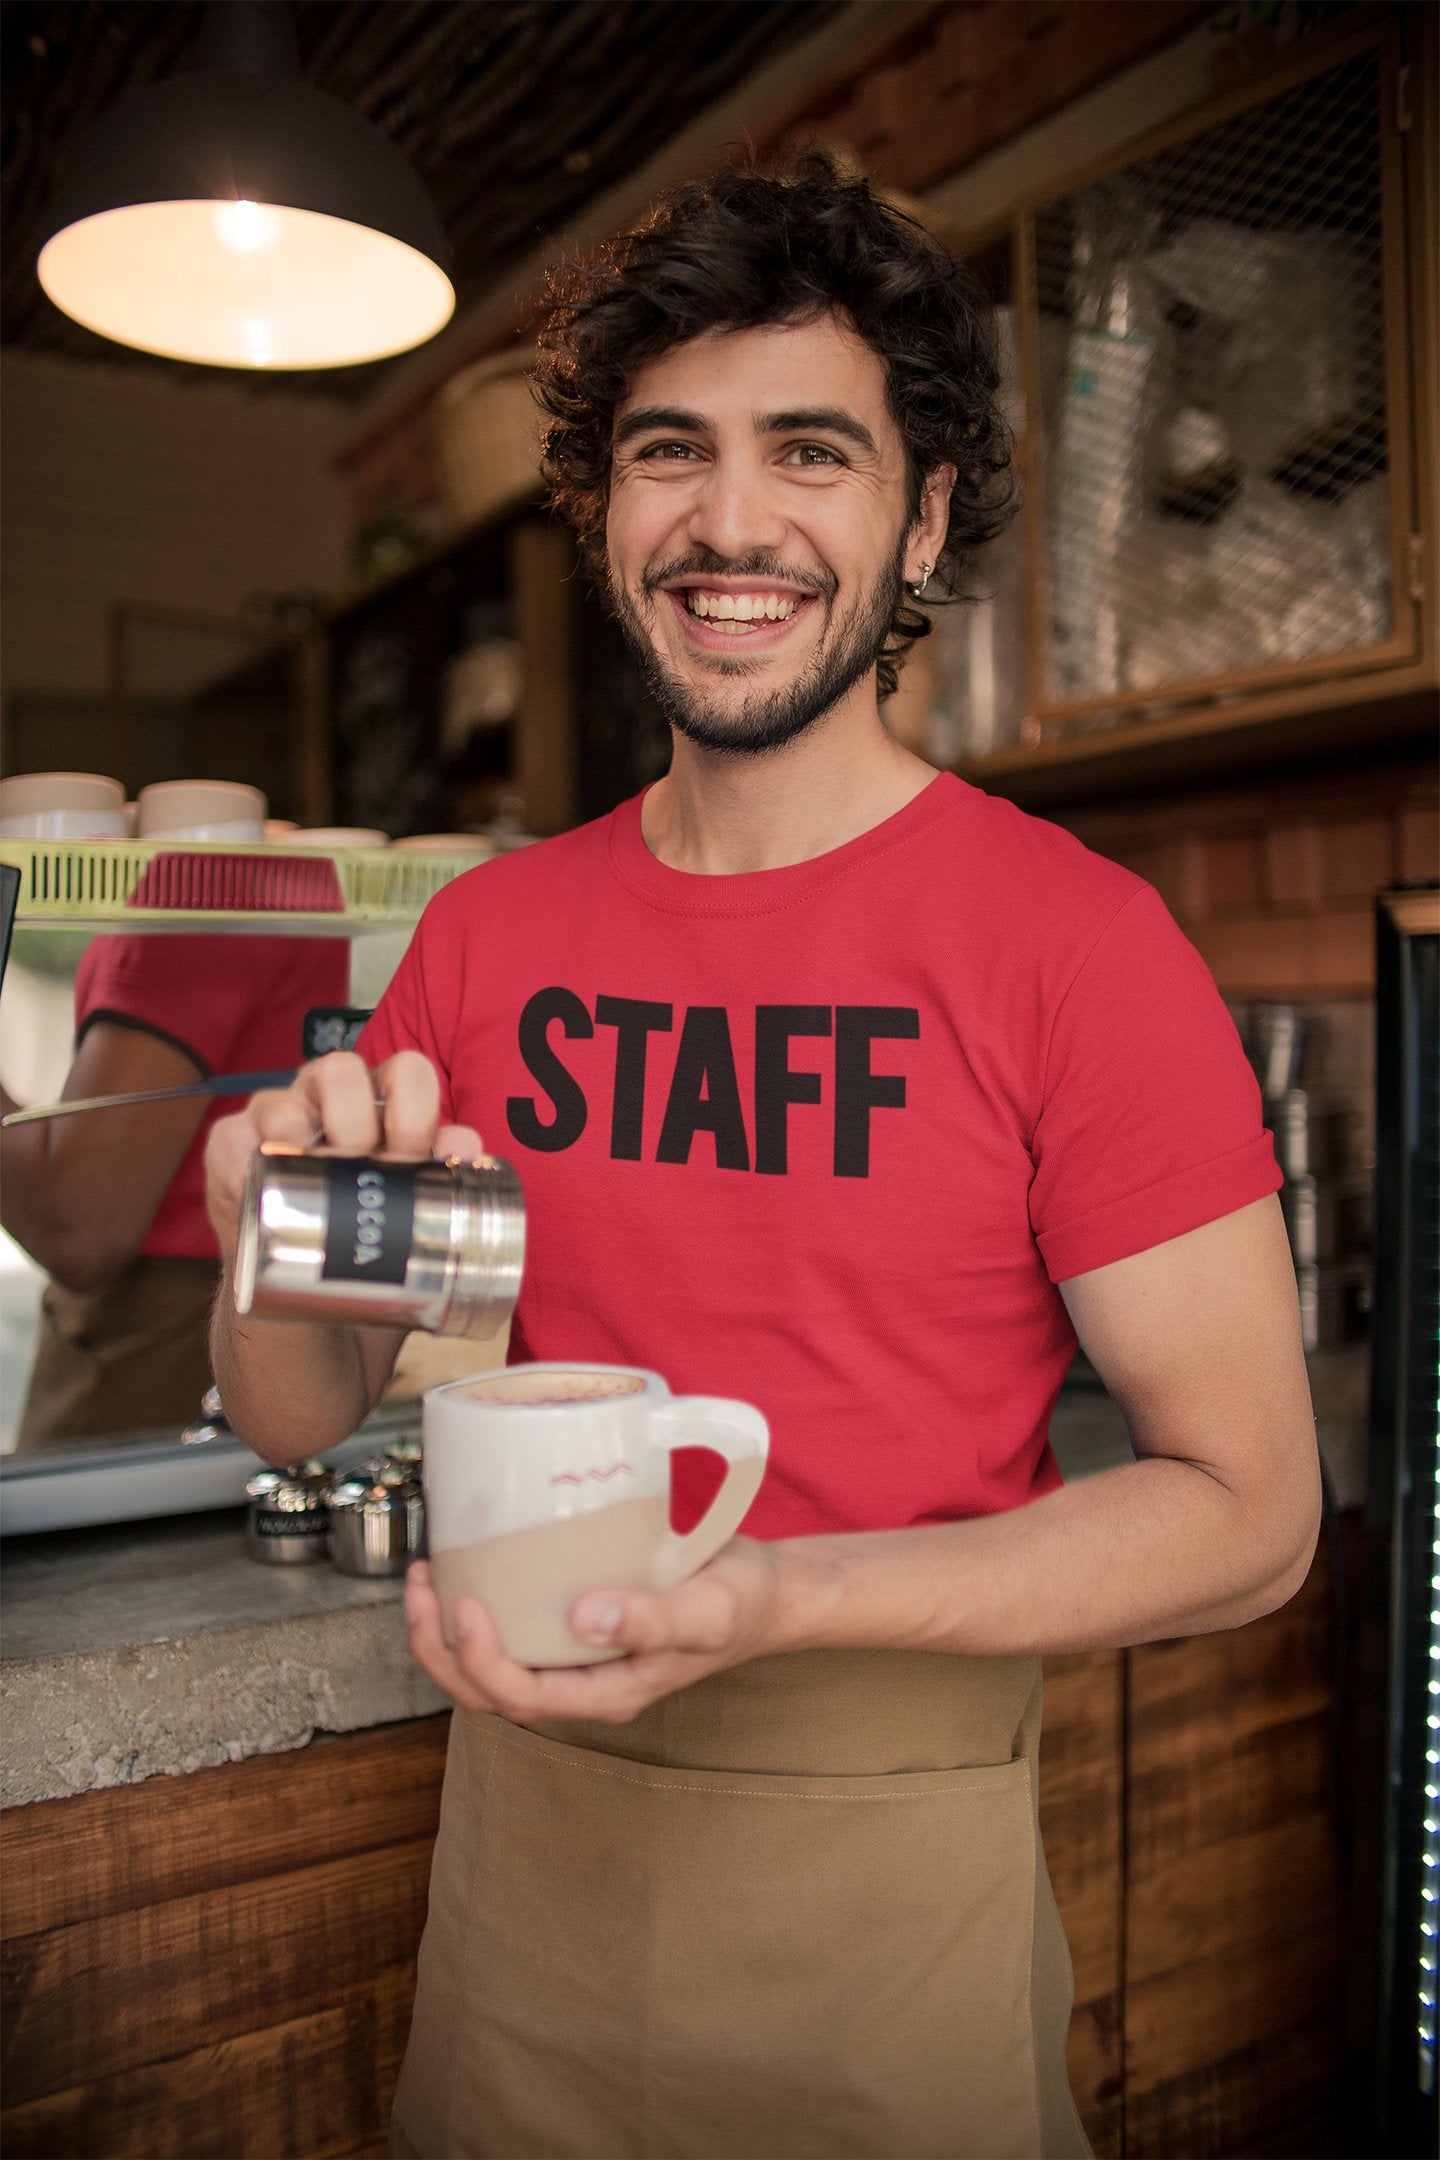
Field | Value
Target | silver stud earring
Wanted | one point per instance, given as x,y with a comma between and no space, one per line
919,589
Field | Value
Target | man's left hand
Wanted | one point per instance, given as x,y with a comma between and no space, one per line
720,1617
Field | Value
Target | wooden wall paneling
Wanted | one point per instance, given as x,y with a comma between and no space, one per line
541,574
65,1861
1081,1796
1260,956
968,77
1274,882
205,1968
1235,1904
317,2086
221,1963
1267,2100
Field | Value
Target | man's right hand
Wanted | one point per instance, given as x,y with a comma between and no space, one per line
293,1387
337,1102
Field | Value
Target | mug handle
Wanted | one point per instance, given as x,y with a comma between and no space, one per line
735,1430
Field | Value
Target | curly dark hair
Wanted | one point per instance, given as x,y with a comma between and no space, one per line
743,249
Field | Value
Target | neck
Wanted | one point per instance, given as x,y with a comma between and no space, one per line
716,815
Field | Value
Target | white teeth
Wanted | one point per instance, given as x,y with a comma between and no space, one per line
741,607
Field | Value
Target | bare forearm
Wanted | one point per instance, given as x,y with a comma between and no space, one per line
290,1389
1155,1549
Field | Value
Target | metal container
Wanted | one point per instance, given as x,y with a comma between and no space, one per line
287,1523
1275,1044
1312,1138
378,1242
1334,1303
377,1518
1328,1220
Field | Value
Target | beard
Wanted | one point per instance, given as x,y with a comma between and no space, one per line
750,727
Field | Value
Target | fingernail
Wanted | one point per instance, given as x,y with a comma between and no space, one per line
418,1572
464,1618
600,1621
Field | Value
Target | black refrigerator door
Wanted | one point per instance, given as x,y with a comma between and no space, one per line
1397,1877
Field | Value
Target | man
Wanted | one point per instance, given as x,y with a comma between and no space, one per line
112,1205
838,1086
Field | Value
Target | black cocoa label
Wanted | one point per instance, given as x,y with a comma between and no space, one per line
370,1218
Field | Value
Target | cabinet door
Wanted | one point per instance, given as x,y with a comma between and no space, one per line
1218,376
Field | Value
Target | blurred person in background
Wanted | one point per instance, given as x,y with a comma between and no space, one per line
111,1203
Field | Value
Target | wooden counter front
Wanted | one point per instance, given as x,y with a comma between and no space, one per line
222,1964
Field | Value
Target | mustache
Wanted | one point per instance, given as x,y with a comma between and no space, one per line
703,562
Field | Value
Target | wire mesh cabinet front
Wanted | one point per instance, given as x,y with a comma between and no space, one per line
1215,345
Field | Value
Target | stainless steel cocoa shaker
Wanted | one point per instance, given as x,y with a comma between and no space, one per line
379,1241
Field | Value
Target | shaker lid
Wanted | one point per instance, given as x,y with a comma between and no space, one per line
292,1492
378,1479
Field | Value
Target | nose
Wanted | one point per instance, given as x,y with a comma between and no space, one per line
734,511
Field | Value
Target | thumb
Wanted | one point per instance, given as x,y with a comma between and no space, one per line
697,1615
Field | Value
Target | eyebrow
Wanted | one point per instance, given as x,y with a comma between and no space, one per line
816,419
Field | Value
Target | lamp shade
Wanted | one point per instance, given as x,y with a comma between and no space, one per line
238,217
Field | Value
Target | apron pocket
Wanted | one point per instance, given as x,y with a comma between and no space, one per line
675,1964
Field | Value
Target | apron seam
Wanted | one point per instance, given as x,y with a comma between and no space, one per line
739,1792
1033,1871
470,1901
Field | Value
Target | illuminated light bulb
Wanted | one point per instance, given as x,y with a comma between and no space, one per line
246,228
235,216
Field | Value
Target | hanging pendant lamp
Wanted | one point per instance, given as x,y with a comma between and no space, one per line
237,217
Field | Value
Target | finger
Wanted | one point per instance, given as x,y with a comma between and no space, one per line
228,1151
699,1615
512,1688
612,1693
342,1089
289,1116
410,1089
461,1140
428,1646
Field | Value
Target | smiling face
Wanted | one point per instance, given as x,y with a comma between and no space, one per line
757,532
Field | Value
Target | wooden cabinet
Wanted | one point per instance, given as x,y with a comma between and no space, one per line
222,1964
1228,334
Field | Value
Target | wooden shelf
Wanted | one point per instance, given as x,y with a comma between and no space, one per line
1214,743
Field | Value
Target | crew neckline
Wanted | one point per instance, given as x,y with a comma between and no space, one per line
760,892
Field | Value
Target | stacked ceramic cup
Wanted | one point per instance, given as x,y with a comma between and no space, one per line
1326,1195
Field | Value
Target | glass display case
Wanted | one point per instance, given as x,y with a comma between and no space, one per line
249,927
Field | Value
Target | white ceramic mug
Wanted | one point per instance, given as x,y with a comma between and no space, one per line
61,806
219,810
545,1481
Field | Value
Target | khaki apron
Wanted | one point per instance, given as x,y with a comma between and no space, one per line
800,1908
134,1353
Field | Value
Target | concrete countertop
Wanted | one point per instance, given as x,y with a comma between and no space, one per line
161,1647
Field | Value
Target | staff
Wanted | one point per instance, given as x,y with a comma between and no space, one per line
840,1087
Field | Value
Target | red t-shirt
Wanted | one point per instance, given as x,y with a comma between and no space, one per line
232,1004
827,1137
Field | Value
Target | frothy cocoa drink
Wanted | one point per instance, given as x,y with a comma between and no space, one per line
548,1390
529,1579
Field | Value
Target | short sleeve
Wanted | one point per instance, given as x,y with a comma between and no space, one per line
413,1013
180,988
230,1003
1151,1120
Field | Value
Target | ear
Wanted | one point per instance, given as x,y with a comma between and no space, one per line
932,522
